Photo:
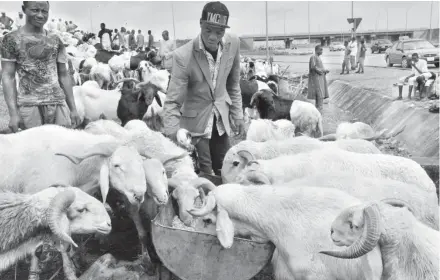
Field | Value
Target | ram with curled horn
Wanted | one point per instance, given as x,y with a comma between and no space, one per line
409,248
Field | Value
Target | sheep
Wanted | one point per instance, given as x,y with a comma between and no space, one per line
248,89
271,106
54,213
285,168
358,130
424,204
233,163
102,74
263,130
409,248
295,220
135,102
136,125
306,118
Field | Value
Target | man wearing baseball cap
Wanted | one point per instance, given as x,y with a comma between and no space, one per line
204,90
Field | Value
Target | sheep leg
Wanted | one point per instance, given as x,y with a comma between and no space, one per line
68,267
142,233
34,269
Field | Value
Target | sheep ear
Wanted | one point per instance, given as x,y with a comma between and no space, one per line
157,97
104,181
246,156
225,228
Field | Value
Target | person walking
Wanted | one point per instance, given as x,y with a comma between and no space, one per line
362,51
167,47
317,89
44,94
204,90
150,40
140,41
353,52
346,61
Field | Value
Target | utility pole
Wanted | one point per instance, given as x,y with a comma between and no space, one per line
91,20
387,23
354,22
430,21
406,20
174,27
308,18
267,37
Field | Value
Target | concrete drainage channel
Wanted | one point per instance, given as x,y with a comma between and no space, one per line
421,134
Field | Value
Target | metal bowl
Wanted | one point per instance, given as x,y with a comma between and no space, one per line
193,255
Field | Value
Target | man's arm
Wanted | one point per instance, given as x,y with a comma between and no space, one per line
9,87
234,90
313,66
64,78
176,95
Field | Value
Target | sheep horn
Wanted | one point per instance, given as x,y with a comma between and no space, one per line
173,183
382,136
364,244
182,155
255,176
58,206
328,137
398,203
101,149
254,96
203,183
208,205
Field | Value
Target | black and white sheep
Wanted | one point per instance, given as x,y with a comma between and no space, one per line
52,214
296,220
410,249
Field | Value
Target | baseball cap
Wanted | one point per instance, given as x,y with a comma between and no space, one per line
215,13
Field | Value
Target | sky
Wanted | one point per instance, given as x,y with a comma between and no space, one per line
246,17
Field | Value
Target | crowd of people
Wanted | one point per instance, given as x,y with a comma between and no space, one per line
354,55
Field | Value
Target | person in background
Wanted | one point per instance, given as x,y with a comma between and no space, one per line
19,21
121,37
6,21
132,40
105,37
419,72
317,88
44,94
52,26
127,37
71,27
140,41
362,51
167,47
61,26
204,90
346,61
353,47
150,39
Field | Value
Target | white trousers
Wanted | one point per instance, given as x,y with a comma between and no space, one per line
412,81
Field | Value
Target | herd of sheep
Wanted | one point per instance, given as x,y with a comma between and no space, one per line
287,184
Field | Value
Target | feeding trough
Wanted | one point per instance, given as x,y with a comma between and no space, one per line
195,255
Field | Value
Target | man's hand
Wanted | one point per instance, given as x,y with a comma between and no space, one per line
406,79
74,118
240,127
15,123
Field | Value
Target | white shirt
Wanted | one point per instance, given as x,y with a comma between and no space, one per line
422,65
19,22
52,25
353,47
62,27
166,52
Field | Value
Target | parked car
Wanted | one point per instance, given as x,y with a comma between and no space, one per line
336,46
380,45
401,52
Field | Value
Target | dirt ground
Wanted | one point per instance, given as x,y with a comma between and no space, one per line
124,230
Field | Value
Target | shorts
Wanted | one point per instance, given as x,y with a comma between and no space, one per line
38,115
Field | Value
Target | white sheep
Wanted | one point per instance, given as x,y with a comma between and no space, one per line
262,130
102,74
233,163
306,118
54,213
136,125
358,130
410,249
295,220
286,168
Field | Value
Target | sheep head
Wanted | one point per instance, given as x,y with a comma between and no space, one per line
72,211
157,180
147,92
247,169
263,101
187,192
122,169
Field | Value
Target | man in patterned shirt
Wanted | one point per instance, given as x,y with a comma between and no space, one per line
204,90
44,94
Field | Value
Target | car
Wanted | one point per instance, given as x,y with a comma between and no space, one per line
336,46
380,45
402,50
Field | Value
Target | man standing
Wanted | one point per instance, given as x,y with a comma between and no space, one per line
44,94
6,21
121,37
346,61
362,51
61,26
318,89
167,47
132,41
52,26
140,41
105,37
204,89
150,40
353,53
19,21
419,72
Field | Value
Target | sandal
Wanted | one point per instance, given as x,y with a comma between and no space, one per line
434,109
